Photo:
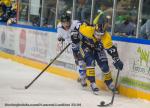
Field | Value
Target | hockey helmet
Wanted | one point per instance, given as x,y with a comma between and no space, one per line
99,30
65,18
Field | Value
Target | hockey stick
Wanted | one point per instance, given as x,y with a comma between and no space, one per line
26,87
102,103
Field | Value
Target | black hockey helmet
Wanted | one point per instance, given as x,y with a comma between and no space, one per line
65,18
99,30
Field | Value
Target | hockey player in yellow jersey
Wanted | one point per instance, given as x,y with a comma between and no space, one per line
6,2
7,12
94,40
3,5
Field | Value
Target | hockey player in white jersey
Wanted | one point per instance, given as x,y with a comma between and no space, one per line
65,30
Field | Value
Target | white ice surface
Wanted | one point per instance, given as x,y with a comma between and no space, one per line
51,89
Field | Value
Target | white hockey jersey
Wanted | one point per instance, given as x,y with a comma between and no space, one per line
61,32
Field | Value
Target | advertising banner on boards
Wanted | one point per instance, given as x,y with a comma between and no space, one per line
7,39
43,46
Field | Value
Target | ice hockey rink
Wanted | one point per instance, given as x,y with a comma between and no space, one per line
51,91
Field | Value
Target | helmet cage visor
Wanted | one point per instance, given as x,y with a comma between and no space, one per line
97,33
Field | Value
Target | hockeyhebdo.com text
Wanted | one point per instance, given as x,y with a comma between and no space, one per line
44,105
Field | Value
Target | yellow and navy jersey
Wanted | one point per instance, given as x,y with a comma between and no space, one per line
87,32
1,11
6,2
4,6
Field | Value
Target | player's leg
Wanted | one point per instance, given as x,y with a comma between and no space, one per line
88,56
81,66
102,61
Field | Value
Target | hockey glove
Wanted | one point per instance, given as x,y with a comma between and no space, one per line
118,64
75,37
61,39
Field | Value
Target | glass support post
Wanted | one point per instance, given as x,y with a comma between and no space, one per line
56,16
114,17
139,18
92,11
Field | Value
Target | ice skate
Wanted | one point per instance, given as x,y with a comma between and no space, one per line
94,88
112,88
83,82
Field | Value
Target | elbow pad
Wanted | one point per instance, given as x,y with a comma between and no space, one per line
75,37
113,53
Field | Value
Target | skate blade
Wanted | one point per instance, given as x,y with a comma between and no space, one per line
84,88
79,80
116,91
96,92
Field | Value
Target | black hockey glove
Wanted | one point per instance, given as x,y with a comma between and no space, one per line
75,37
61,39
114,54
118,64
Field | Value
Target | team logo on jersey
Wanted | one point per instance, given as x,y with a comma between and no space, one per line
22,41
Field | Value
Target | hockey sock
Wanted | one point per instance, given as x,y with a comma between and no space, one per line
108,78
90,72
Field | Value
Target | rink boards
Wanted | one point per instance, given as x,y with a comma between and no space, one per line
36,47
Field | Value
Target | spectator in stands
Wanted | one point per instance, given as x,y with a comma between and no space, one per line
145,30
83,10
126,28
8,14
5,10
123,5
36,21
104,7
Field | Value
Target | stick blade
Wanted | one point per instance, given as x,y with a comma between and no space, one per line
105,105
17,87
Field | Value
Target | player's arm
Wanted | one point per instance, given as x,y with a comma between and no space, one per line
59,33
112,50
75,35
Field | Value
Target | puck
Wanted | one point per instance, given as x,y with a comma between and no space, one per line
102,103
